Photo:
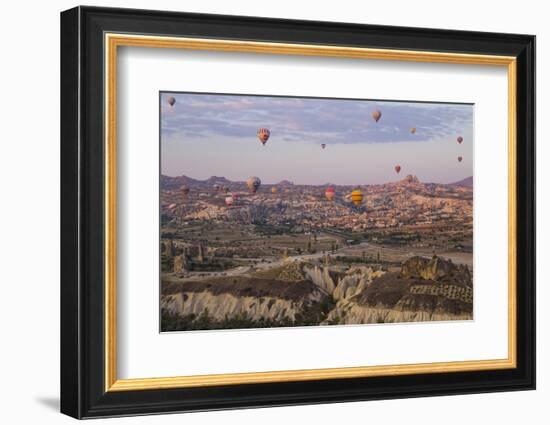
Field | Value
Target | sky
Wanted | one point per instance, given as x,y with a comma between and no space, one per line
205,135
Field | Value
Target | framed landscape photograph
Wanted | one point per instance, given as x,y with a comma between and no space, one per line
261,212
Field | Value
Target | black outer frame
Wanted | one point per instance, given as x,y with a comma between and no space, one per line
82,219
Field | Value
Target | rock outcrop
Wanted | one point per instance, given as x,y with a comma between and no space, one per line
424,290
300,293
437,269
298,302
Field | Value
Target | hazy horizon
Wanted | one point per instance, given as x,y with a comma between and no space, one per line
206,135
272,183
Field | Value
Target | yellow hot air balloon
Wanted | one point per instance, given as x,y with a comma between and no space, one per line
357,197
273,189
413,130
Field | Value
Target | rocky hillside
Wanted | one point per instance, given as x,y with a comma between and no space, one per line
424,290
302,293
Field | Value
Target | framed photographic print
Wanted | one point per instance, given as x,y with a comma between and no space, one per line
261,212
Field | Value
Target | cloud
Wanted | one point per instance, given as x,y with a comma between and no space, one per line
332,121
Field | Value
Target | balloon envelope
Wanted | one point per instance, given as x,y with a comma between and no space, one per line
376,115
459,159
253,183
357,197
413,130
323,145
171,101
184,189
330,193
459,139
228,201
263,135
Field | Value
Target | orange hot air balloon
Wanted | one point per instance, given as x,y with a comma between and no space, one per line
273,189
184,189
323,145
376,115
459,159
229,200
459,139
330,193
397,168
357,197
413,130
171,100
253,183
263,135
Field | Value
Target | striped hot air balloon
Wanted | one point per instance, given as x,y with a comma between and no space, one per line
357,197
263,135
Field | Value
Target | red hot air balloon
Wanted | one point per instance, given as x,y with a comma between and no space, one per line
263,135
171,100
459,159
253,183
330,193
376,115
459,139
397,168
323,145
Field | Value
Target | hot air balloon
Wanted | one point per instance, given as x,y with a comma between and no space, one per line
273,189
171,101
413,130
323,145
330,193
253,183
184,189
228,201
459,139
459,159
376,115
216,187
397,168
263,135
225,189
357,197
